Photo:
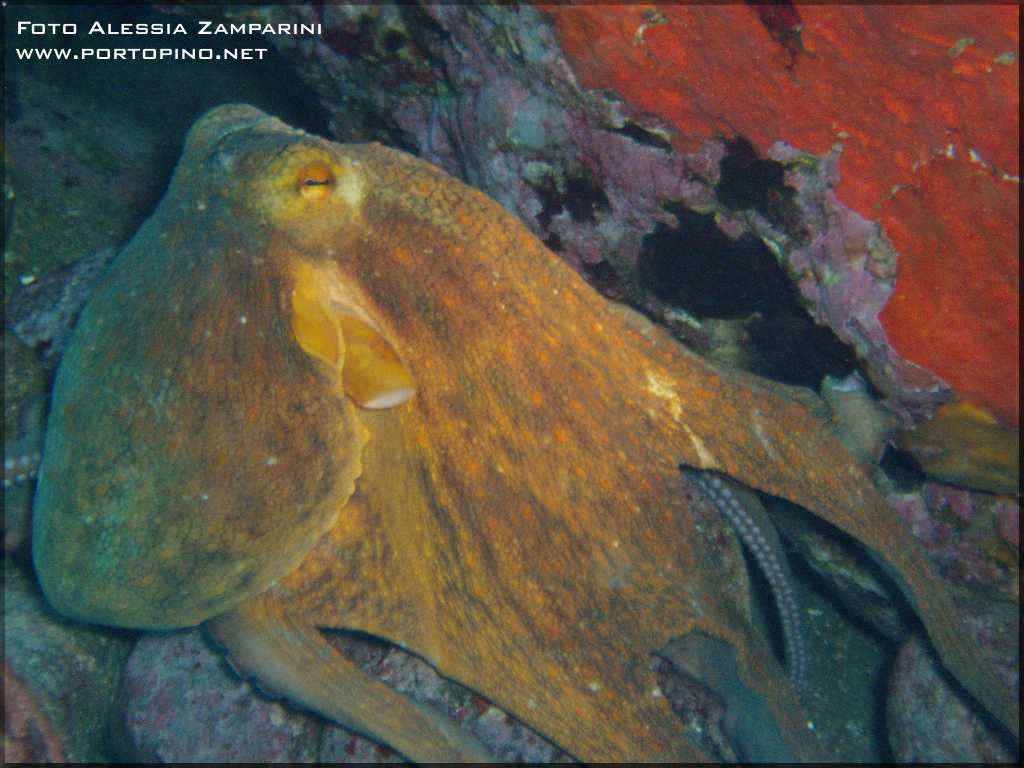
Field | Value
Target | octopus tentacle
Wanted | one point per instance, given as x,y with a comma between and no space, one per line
751,523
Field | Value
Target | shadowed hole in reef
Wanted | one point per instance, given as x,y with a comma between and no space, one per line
902,469
643,136
749,181
698,268
580,196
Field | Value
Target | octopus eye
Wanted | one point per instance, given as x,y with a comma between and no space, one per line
316,181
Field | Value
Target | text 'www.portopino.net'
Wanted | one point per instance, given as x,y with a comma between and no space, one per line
140,54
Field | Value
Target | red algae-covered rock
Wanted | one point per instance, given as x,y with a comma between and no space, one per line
957,298
925,104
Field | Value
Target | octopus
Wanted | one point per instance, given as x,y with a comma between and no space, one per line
329,386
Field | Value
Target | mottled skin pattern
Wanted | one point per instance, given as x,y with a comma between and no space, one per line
180,383
518,522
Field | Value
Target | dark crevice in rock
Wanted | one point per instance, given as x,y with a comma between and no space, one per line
902,469
795,350
643,136
582,198
750,182
699,269
783,22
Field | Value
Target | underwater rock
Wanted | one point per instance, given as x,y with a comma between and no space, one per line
927,720
846,268
25,396
1008,516
78,179
930,719
965,445
955,310
962,531
182,704
62,696
43,312
861,422
24,384
28,735
700,710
